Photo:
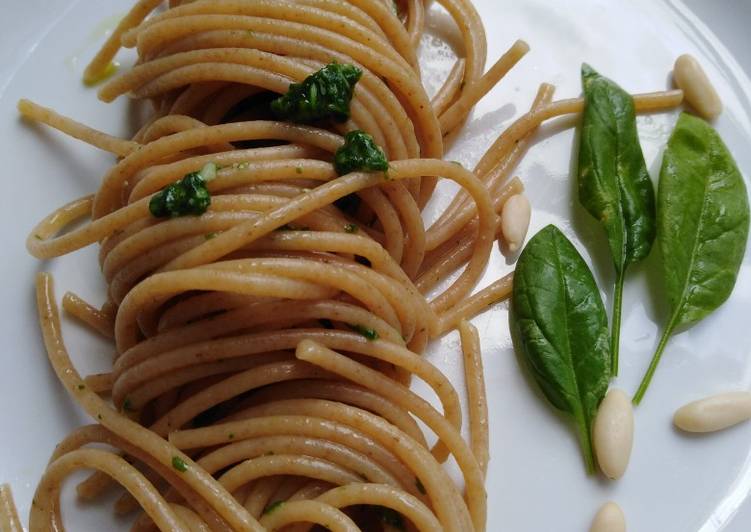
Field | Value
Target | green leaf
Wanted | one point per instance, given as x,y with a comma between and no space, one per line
325,94
703,220
614,185
369,334
359,153
561,329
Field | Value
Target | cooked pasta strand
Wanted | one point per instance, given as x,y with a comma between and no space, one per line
268,311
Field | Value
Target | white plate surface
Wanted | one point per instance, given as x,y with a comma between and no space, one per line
536,480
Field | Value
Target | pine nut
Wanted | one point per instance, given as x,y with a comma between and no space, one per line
697,89
613,433
714,413
609,518
515,220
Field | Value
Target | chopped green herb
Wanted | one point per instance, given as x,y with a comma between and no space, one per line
38,237
81,386
322,95
351,228
457,163
231,436
209,236
420,487
179,464
359,153
268,453
188,196
271,507
298,170
128,405
99,416
370,334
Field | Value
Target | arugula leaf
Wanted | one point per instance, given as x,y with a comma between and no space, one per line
322,95
561,329
703,220
359,153
614,185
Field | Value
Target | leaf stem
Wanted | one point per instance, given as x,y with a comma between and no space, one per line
615,329
639,395
586,443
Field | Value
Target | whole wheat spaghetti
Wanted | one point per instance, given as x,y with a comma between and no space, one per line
266,346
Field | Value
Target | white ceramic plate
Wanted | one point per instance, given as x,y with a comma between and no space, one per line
536,480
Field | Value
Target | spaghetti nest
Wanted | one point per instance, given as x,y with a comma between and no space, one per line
265,348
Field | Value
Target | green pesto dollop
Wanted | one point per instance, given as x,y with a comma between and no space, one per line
188,196
325,94
359,153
